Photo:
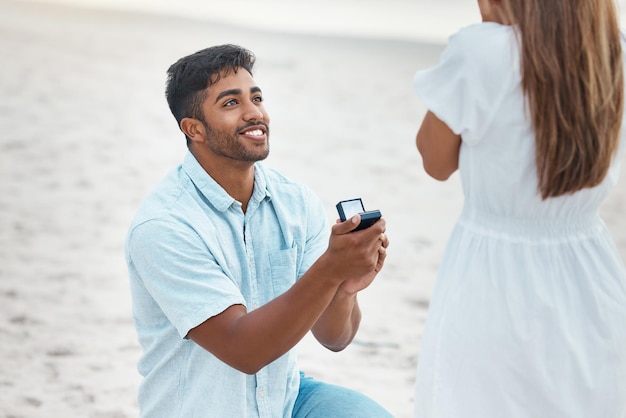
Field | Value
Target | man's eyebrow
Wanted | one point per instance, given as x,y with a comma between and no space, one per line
235,92
231,92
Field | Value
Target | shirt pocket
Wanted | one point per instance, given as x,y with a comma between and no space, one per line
283,269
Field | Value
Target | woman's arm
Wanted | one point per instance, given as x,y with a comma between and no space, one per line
439,147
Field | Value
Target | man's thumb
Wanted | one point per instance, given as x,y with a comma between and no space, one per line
348,225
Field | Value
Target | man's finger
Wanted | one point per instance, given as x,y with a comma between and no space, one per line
348,225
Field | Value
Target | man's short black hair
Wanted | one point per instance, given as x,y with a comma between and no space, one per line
188,78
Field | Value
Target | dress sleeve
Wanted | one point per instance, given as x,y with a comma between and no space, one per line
464,89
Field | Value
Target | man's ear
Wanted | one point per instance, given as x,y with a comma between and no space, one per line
193,129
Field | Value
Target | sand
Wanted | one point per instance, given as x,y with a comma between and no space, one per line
86,133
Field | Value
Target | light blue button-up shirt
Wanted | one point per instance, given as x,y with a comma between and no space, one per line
192,253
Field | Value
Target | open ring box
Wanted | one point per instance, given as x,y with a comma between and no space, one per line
349,208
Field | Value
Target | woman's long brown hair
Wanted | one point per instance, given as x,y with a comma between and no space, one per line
572,78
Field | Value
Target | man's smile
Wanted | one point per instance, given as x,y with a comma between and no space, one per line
257,131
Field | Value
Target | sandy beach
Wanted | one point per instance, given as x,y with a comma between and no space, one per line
86,133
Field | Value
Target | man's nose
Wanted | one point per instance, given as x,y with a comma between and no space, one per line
253,112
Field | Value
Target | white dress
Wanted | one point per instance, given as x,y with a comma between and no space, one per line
528,314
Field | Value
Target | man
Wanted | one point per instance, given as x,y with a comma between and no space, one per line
231,265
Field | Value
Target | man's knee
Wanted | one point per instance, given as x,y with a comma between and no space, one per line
323,400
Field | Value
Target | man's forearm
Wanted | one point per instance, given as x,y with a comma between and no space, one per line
339,323
250,340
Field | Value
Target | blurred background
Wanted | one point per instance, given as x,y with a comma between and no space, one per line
389,19
432,20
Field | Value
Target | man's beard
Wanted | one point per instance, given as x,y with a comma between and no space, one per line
230,145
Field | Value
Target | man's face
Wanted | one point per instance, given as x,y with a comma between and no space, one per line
236,123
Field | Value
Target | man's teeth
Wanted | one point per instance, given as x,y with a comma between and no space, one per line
256,132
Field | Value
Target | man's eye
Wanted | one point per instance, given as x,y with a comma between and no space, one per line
257,99
231,102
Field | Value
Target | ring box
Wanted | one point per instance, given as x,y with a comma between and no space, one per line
351,207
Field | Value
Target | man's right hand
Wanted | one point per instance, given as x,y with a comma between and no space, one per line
355,255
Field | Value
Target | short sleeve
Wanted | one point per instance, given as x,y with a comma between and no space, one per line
465,88
317,234
178,272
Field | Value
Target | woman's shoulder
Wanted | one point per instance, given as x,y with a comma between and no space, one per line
483,37
482,31
483,46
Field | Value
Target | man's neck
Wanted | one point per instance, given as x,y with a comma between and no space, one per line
239,186
235,177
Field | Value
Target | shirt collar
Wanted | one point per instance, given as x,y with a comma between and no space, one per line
214,193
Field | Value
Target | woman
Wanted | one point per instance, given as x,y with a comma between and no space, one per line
528,315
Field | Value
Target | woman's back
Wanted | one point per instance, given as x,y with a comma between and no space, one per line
497,158
528,314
